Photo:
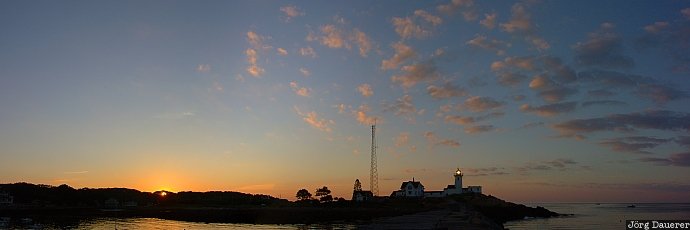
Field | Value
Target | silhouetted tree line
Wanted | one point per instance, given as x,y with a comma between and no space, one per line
64,195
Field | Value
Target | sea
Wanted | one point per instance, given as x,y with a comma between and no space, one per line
581,216
601,215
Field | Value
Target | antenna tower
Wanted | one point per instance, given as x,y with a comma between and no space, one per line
374,174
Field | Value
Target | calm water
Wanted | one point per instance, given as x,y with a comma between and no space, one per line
154,223
585,216
603,216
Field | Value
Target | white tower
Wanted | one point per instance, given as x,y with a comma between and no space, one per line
458,180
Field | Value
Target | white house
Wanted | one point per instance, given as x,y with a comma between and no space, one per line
410,189
416,189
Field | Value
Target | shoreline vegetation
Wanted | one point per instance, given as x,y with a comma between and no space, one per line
67,206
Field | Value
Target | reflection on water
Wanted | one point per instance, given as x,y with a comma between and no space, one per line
585,216
601,216
154,223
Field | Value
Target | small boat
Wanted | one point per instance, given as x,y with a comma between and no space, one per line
631,206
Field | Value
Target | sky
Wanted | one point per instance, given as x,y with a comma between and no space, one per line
536,101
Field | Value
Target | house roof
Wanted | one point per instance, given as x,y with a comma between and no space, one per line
415,184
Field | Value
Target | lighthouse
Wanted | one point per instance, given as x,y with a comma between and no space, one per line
458,180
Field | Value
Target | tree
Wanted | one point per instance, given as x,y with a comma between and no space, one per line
358,185
303,194
324,194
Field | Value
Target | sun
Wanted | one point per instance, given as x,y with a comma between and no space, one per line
163,194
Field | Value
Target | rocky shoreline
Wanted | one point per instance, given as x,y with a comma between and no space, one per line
469,211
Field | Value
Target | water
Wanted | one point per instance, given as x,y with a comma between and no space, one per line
602,216
585,216
155,224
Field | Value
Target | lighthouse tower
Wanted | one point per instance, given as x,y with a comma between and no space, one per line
458,181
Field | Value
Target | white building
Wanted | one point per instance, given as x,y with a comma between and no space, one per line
416,189
410,189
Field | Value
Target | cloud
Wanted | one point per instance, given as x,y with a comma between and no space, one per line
550,79
460,120
671,39
446,90
362,41
416,73
403,107
332,37
484,171
430,136
314,121
402,53
532,125
466,7
556,94
203,68
558,71
255,39
550,110
634,144
603,102
291,12
480,104
489,44
520,21
406,28
307,51
643,87
511,79
449,142
468,120
489,21
420,25
523,63
282,51
556,164
361,114
676,159
683,141
434,141
656,27
604,49
301,91
341,107
433,19
659,93
686,13
521,24
651,119
479,129
610,79
600,93
337,36
365,90
402,139
518,97
305,71
549,90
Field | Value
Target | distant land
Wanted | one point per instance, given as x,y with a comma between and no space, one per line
66,204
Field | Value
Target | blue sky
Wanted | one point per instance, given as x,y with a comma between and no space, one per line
534,100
